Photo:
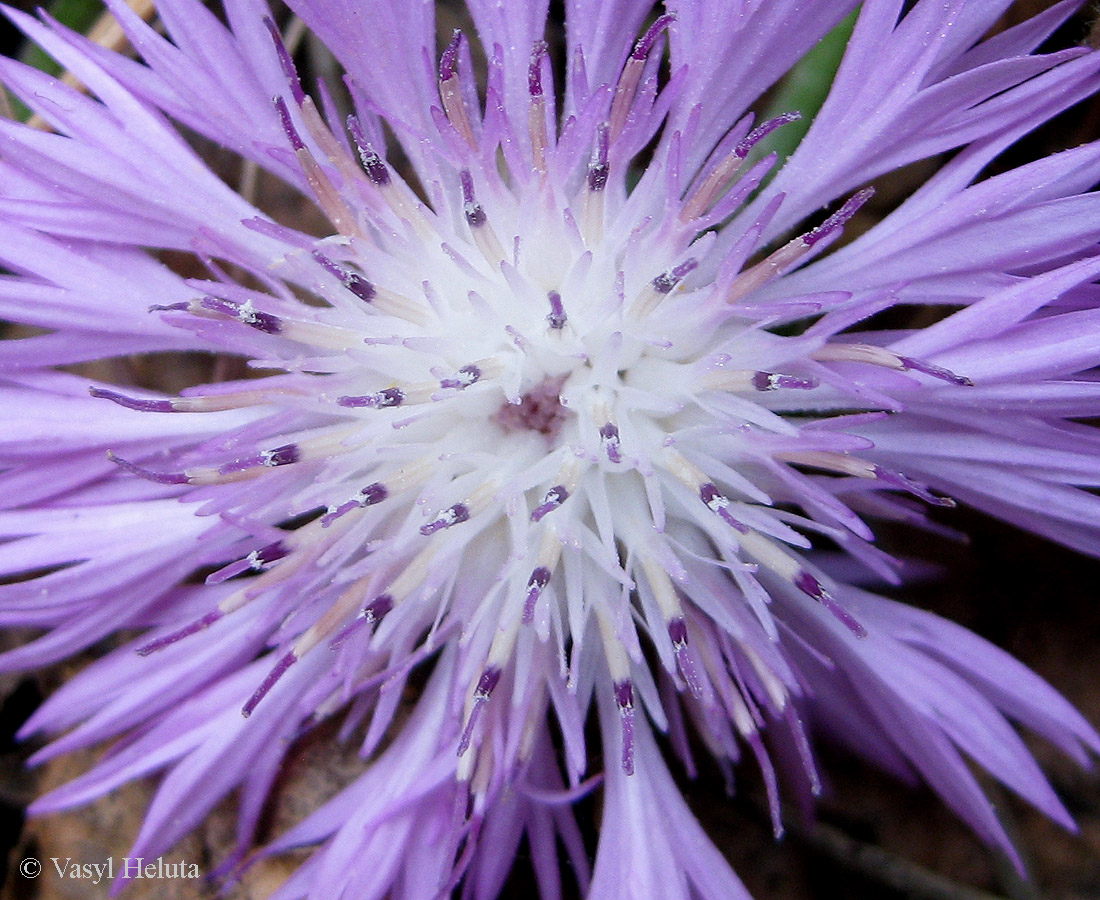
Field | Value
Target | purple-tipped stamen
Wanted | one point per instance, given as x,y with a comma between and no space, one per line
241,465
554,498
285,662
286,455
160,406
288,124
624,699
452,515
256,561
772,381
810,586
557,318
762,131
335,512
368,496
534,69
598,168
377,609
373,164
609,438
475,215
666,281
487,683
935,371
289,70
384,399
905,483
158,477
466,376
718,503
677,632
771,783
373,613
359,286
647,40
231,571
485,687
354,282
540,577
373,493
167,640
839,219
243,313
448,62
268,554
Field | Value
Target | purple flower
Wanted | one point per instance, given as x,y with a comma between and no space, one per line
554,420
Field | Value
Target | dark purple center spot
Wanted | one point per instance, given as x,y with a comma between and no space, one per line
539,409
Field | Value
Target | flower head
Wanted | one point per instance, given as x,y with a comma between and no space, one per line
560,410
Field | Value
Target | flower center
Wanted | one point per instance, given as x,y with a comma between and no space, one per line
540,409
